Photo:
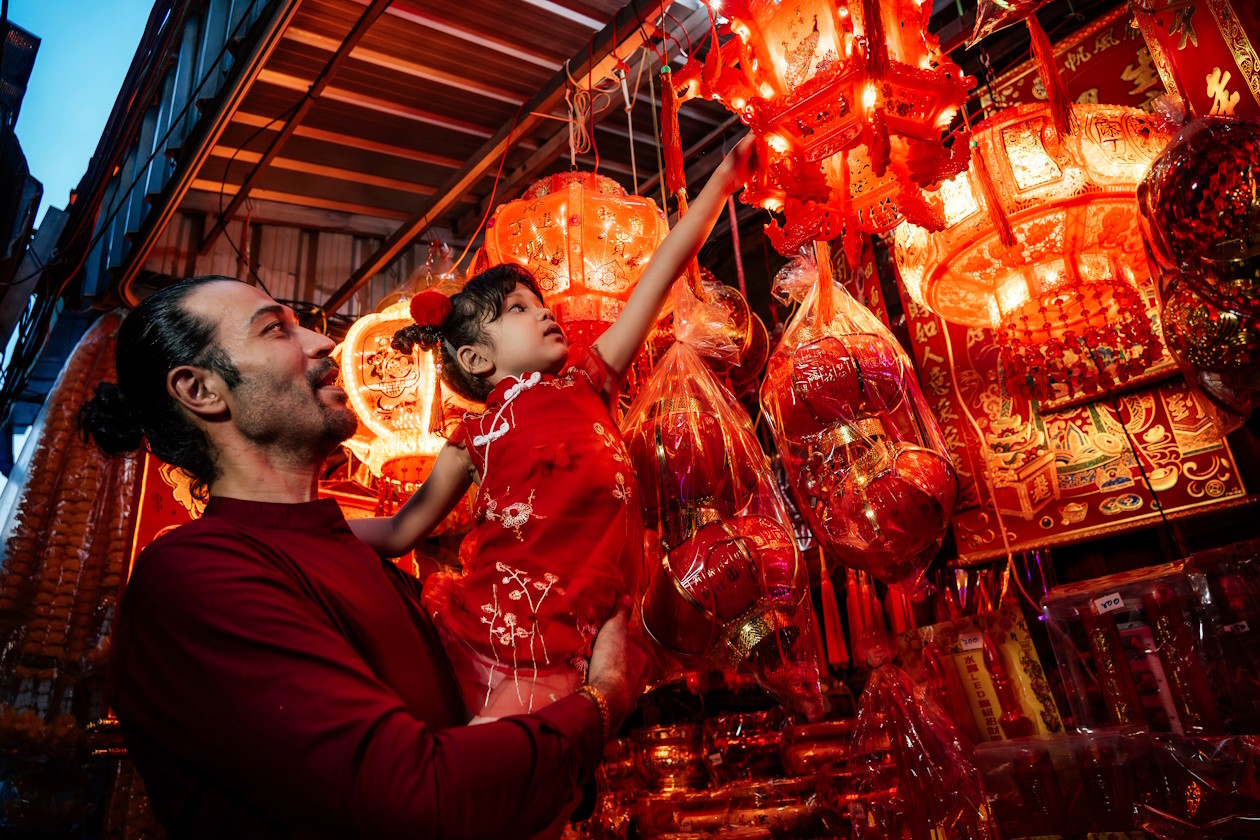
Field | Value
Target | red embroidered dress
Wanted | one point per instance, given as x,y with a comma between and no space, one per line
557,535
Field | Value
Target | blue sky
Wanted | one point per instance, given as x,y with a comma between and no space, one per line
86,47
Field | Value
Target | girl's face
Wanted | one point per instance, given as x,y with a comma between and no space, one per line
525,337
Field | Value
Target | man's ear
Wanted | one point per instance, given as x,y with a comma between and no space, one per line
473,359
196,389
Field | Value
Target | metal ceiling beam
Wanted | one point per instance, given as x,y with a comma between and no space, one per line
351,142
320,170
317,87
622,34
245,70
308,201
409,12
404,67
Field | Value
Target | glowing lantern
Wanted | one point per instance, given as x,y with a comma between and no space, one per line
392,395
850,102
585,240
1047,252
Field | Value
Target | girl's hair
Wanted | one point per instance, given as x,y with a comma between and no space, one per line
156,337
472,308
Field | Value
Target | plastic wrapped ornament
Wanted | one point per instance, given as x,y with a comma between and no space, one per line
863,454
1200,221
730,587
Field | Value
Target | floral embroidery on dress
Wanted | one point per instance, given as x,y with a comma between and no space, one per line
620,490
513,516
508,630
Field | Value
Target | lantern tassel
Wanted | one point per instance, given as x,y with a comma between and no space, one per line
837,653
876,46
989,189
437,411
671,140
1051,78
825,311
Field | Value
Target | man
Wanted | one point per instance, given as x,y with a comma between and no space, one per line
272,676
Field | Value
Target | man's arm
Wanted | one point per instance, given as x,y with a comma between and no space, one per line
232,668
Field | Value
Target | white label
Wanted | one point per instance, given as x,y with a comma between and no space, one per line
715,759
971,641
1240,627
1108,603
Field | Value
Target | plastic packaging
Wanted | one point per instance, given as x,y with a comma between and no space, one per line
932,788
863,455
730,587
1131,650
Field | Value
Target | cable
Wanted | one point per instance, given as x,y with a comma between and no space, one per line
507,144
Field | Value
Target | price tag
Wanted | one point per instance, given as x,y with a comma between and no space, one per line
715,759
1108,603
971,641
1234,629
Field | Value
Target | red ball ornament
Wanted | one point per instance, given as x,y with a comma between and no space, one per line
718,587
430,308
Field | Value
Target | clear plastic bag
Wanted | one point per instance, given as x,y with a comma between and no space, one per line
994,15
729,587
913,774
863,454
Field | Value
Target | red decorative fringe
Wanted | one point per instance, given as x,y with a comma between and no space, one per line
996,213
837,653
671,140
876,46
825,312
1048,69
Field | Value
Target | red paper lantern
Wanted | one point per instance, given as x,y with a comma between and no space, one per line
392,395
850,102
709,589
585,240
1041,244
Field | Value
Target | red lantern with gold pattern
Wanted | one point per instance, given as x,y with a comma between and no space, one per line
585,240
851,103
1200,219
1041,245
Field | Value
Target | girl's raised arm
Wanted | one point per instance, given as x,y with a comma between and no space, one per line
396,535
622,341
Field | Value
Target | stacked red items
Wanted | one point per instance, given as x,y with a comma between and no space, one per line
1132,649
730,587
1069,785
862,452
983,671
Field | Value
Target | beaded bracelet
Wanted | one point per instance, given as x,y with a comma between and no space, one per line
601,703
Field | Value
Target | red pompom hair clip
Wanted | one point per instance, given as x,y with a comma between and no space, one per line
430,308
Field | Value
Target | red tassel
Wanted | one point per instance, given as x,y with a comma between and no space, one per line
671,140
991,201
1051,78
837,653
437,412
825,306
876,46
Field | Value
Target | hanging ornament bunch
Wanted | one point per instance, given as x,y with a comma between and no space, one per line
1200,219
863,454
729,587
851,103
1040,244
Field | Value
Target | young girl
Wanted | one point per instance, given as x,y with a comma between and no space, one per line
557,535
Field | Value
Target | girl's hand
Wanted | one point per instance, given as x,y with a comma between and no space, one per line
739,165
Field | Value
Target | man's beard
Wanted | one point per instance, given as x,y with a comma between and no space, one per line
311,429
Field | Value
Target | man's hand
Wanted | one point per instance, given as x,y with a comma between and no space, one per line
619,665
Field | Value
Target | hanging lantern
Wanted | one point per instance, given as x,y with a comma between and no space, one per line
862,452
392,395
585,240
1041,245
1200,217
852,104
